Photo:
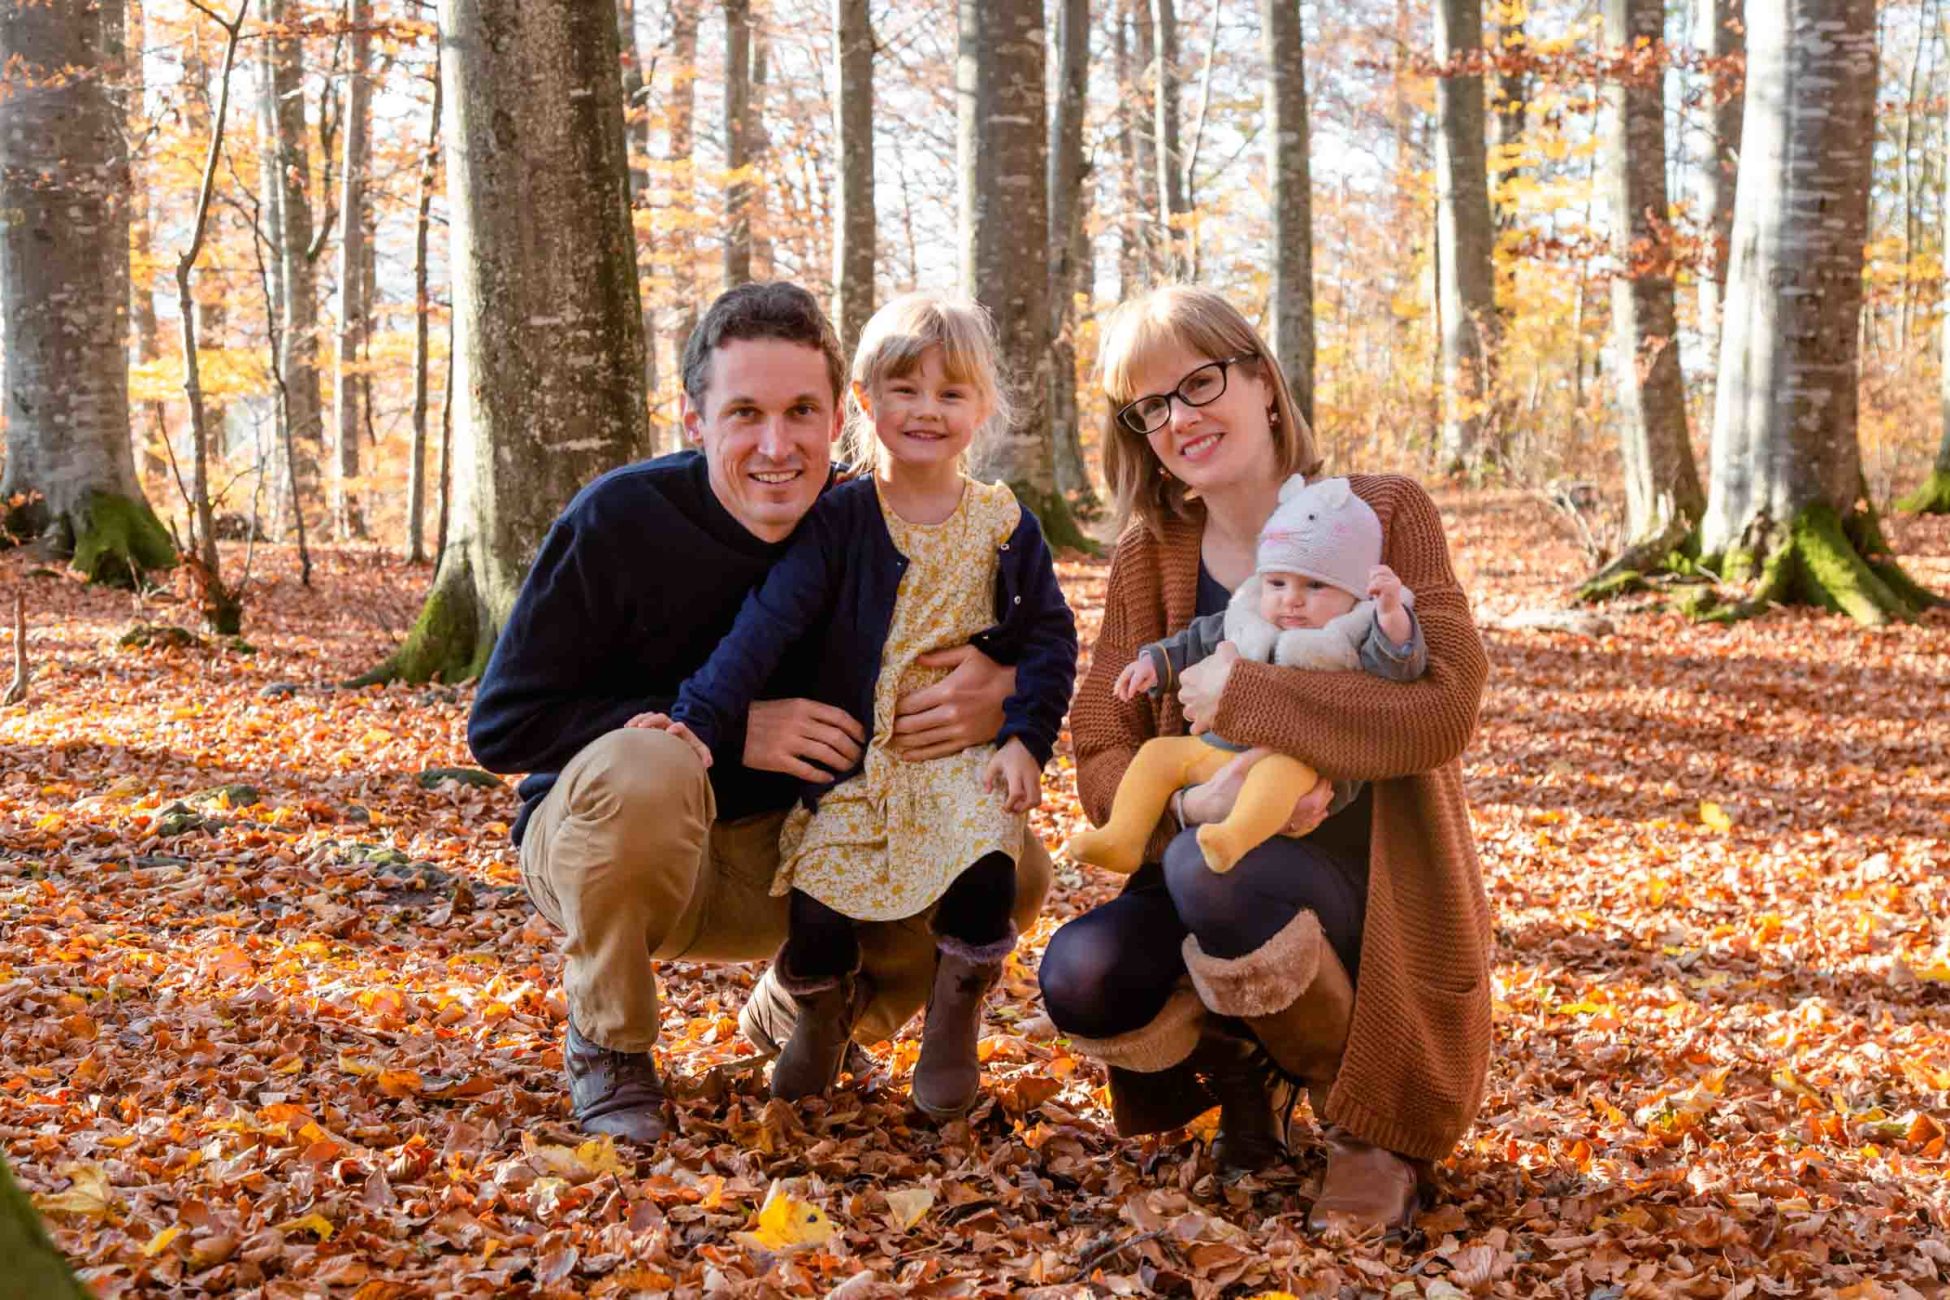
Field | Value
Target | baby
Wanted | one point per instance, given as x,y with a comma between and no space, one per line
1319,598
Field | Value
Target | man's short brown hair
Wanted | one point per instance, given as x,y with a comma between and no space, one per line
769,309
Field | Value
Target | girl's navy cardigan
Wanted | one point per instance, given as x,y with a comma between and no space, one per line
832,596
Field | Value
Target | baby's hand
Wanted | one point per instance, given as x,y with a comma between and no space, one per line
1014,771
1385,588
662,722
1138,675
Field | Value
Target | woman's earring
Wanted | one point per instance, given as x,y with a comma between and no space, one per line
1273,416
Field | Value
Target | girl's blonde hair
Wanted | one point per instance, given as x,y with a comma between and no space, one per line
892,344
1202,322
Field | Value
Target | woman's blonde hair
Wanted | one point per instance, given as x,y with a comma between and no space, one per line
892,344
1202,322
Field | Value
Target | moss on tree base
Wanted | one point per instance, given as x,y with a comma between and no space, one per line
118,539
445,643
1821,561
1673,551
1933,498
1052,511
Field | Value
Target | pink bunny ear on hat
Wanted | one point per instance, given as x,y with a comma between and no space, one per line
1294,484
1334,492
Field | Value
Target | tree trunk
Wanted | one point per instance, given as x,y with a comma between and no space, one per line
1463,232
1663,499
1932,497
680,142
287,201
142,288
853,224
64,279
1140,218
1906,179
737,141
1786,500
1512,98
1004,146
758,147
1068,247
636,135
1289,188
347,518
534,142
31,1266
1721,37
1171,176
416,476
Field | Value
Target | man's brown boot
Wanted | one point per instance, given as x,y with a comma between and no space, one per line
828,1009
948,1077
1255,1100
1365,1189
617,1093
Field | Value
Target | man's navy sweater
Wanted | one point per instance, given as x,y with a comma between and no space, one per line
634,586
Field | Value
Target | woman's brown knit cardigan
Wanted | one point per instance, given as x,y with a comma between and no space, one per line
1418,1052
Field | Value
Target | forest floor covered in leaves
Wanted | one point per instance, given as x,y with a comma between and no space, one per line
275,1017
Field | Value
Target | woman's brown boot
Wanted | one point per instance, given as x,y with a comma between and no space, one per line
1154,1087
948,1077
1365,1189
1292,992
828,1009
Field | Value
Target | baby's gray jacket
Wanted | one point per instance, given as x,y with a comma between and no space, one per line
1353,640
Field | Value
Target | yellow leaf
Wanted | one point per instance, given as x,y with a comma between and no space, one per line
89,1196
313,1222
1714,816
909,1204
787,1223
399,1083
160,1242
599,1156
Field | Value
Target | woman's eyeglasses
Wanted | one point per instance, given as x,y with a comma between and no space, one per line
1202,387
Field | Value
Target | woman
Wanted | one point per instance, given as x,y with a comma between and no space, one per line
1350,956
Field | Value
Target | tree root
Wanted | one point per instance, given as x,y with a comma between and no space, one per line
1060,527
1932,498
446,642
1821,561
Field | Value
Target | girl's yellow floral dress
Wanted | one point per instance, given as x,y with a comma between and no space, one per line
887,843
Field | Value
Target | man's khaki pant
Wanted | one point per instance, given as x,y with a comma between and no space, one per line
627,857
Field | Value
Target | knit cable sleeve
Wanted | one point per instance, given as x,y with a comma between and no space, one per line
1105,730
1351,725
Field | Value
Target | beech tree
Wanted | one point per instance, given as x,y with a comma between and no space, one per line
1289,187
548,335
1465,240
1004,192
64,288
1663,498
853,223
1786,505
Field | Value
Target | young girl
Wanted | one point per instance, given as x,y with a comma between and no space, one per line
912,558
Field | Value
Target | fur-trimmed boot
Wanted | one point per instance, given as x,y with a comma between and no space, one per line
1367,1188
1154,1087
1291,991
770,1013
828,1007
948,1077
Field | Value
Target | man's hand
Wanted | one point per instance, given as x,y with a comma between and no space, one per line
1014,771
963,709
791,736
1201,685
1138,675
662,722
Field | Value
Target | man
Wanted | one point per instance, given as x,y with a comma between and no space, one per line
627,843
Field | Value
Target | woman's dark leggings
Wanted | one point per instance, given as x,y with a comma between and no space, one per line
1111,970
976,909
